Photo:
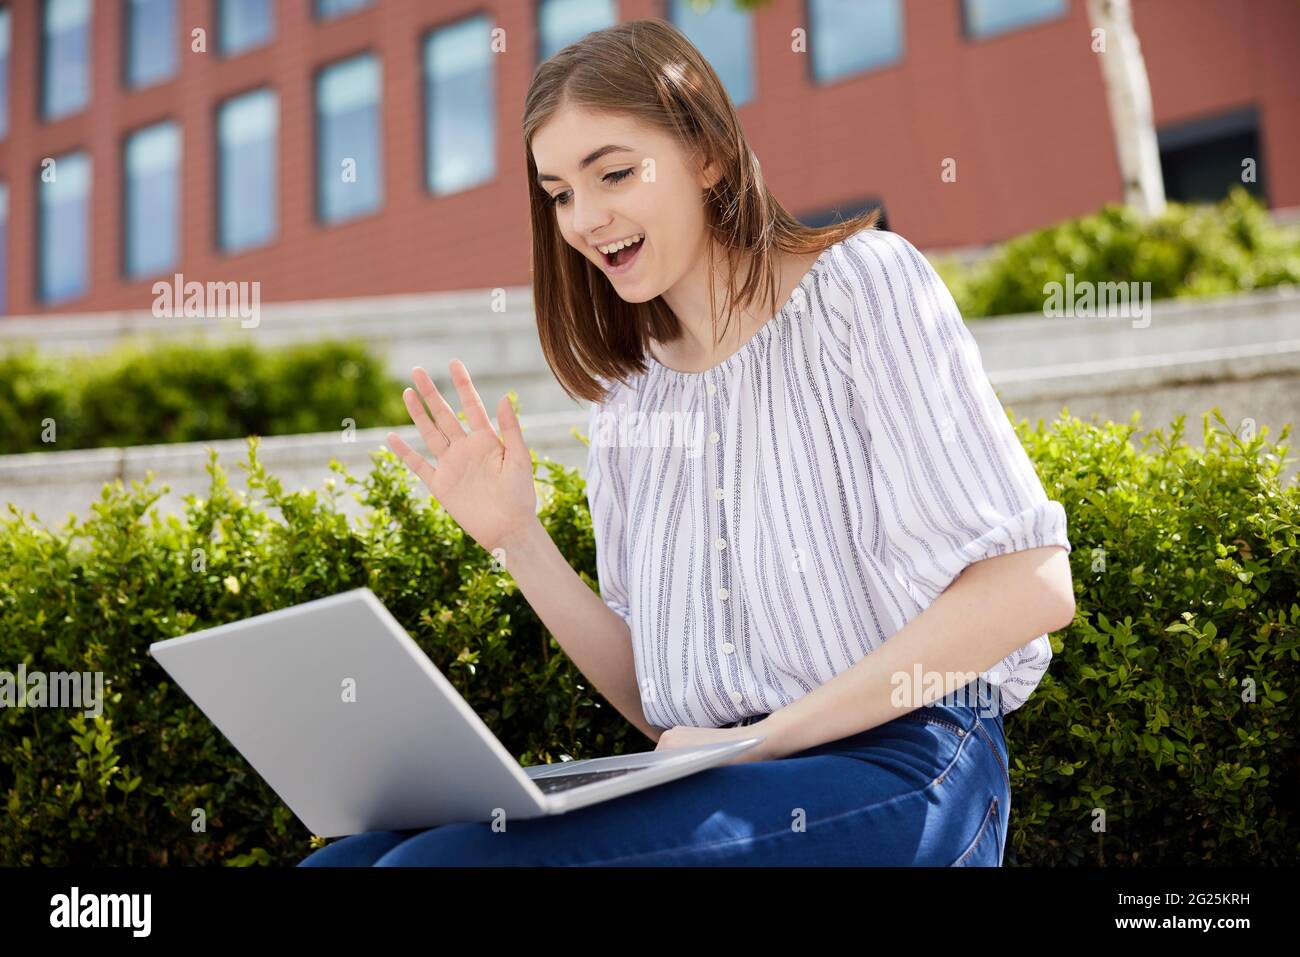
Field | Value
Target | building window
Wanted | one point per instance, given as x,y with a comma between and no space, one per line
63,259
1202,159
349,163
725,36
4,247
987,18
247,197
853,36
150,41
65,57
4,74
329,9
152,189
244,24
560,22
459,107
839,212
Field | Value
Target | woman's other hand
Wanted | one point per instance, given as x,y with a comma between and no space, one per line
685,736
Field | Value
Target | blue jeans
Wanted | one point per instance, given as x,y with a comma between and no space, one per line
928,788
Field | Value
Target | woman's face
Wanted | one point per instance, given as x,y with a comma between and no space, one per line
637,181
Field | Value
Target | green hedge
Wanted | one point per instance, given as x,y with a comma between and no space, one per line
1190,250
1185,563
142,395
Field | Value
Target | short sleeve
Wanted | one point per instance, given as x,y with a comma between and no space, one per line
953,485
606,498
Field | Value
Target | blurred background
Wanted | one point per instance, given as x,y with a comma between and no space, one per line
359,163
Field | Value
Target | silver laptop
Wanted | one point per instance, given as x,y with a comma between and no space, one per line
352,725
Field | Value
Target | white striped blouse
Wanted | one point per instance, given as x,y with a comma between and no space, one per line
763,525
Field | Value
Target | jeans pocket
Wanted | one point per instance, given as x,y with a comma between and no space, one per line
987,841
930,717
947,728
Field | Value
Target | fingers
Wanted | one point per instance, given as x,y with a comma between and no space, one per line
443,416
511,433
434,440
469,401
416,462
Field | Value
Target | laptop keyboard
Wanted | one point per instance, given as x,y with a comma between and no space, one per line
566,782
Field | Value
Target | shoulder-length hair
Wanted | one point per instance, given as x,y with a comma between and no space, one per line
586,329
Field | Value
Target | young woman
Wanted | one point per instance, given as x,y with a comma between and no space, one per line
829,530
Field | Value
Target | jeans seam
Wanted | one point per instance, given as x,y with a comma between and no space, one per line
985,827
1006,775
776,833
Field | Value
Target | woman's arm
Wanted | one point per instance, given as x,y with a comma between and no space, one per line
992,608
594,637
485,482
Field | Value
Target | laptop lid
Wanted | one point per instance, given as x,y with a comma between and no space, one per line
350,723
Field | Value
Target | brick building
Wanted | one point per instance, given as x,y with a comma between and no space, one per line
340,148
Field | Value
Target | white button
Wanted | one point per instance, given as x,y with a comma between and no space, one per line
723,594
719,494
720,543
728,647
736,697
710,388
713,437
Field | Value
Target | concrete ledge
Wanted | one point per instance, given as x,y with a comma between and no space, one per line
1192,354
53,484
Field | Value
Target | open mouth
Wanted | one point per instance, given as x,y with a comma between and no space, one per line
616,261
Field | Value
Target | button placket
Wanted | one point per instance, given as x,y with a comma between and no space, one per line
722,593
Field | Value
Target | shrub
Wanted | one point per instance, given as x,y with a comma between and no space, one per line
139,395
1170,703
1190,250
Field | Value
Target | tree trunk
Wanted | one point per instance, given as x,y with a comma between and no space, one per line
1128,94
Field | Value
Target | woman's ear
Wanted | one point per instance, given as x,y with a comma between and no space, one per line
709,171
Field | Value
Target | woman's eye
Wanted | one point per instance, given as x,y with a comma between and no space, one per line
616,177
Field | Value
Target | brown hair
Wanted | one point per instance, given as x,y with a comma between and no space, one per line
586,328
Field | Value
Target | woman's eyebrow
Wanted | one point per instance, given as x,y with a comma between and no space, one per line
587,161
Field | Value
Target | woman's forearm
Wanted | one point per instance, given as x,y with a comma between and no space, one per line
991,609
594,637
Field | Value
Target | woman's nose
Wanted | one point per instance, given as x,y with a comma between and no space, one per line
589,215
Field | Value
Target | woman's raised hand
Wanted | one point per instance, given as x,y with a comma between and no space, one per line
484,482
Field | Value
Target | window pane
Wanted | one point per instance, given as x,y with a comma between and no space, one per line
460,107
153,186
1201,158
151,41
244,24
4,73
65,36
64,190
247,197
850,36
349,166
988,17
560,22
725,35
326,9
